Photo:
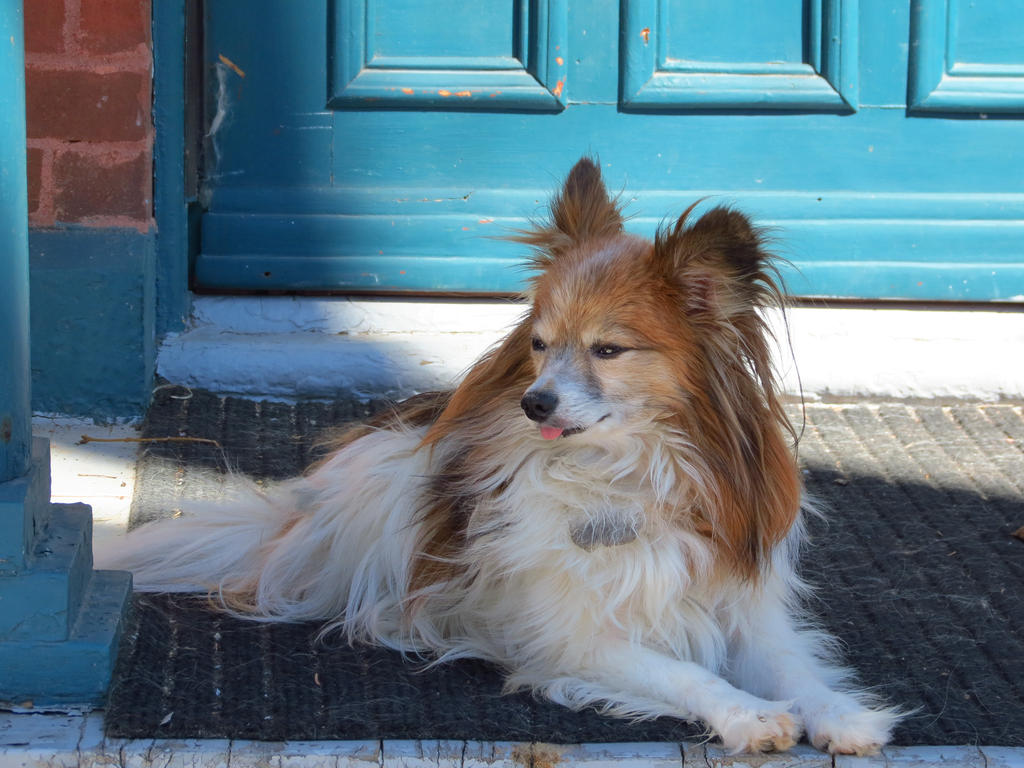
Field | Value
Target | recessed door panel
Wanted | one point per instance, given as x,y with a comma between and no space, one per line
395,30
387,54
733,32
697,54
966,56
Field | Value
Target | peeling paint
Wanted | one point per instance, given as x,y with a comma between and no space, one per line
231,65
223,106
408,91
537,755
464,94
444,92
645,33
559,60
558,88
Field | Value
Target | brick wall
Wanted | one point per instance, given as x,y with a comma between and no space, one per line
88,82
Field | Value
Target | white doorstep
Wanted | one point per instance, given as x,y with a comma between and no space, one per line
321,347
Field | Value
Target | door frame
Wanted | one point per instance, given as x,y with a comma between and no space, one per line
176,118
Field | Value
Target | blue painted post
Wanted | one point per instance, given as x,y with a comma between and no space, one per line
15,375
60,621
169,194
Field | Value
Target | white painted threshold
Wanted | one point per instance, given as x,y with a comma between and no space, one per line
285,347
60,741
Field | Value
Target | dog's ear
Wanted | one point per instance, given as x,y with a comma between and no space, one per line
719,263
581,211
725,276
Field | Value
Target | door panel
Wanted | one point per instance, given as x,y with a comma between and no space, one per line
729,31
987,32
967,56
699,53
447,54
394,192
395,29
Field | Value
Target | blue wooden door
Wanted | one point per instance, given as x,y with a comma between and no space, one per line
381,145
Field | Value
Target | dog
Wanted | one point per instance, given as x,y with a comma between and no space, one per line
607,505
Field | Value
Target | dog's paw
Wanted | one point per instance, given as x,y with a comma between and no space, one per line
846,727
770,727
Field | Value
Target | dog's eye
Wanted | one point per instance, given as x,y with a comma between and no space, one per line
537,344
607,350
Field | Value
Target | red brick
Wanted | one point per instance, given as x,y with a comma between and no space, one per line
87,185
35,177
107,26
44,26
86,106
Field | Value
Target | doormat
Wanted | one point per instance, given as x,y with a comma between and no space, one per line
917,570
196,673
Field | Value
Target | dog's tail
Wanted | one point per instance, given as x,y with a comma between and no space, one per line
210,546
332,546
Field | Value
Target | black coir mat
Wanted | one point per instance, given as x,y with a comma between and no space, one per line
918,571
188,672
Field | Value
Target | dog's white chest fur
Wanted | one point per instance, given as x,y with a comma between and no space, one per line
580,532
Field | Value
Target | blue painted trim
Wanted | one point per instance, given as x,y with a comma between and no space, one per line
405,273
896,246
837,56
96,356
42,602
15,383
926,67
937,83
458,63
650,80
76,671
169,198
61,621
24,508
533,80
512,205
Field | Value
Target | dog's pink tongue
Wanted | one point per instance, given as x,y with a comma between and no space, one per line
550,433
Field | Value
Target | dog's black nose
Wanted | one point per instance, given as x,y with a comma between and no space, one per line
539,405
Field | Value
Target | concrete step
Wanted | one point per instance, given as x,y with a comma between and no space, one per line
75,671
43,599
322,347
24,509
66,740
